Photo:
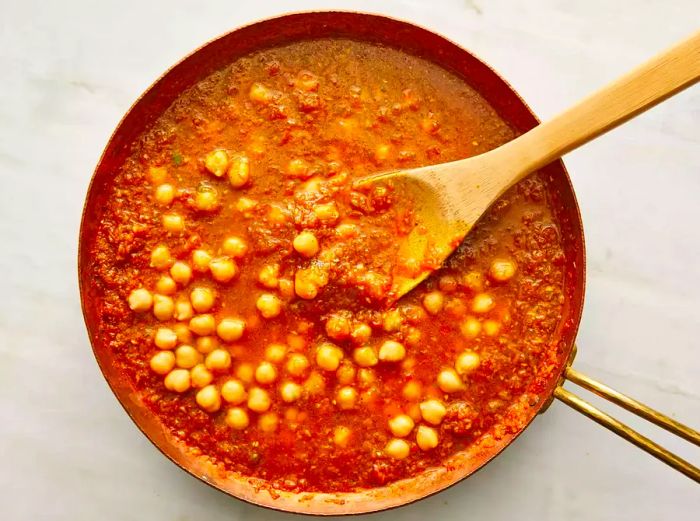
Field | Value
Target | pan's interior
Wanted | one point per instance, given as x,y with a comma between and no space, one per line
220,53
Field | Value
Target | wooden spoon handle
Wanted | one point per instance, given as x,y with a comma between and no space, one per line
637,91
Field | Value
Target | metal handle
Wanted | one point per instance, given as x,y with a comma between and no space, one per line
619,428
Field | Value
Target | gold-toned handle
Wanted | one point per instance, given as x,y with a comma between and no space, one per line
623,430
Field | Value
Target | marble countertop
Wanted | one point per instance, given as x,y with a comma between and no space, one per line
71,69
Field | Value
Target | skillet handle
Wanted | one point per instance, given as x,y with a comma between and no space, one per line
623,430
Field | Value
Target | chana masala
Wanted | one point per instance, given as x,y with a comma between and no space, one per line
243,280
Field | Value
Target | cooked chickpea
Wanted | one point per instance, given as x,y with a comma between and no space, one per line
382,152
268,422
491,327
473,280
216,162
160,257
392,351
245,204
245,372
466,362
177,380
230,329
297,364
208,398
269,305
206,344
269,275
234,247
482,303
327,212
206,199
165,338
413,336
328,357
304,287
223,269
203,325
412,390
275,353
290,392
218,360
470,328
162,362
173,222
140,300
341,436
365,356
201,260
200,376
338,327
202,299
233,391
401,425
315,383
183,333
449,381
433,302
187,357
239,171
397,448
345,373
258,92
166,285
347,230
183,309
298,168
502,270
366,377
237,418
306,244
433,411
361,333
258,400
426,437
165,194
346,397
392,321
163,307
266,373
181,273
157,174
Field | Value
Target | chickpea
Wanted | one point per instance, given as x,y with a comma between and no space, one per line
426,437
275,353
201,260
470,328
315,383
160,257
231,329
412,337
177,380
328,357
208,398
165,338
203,325
491,327
326,213
157,174
397,448
206,344
268,422
392,321
346,397
181,273
223,269
239,171
186,357
162,362
382,152
258,400
366,377
345,373
290,392
173,222
234,247
140,300
165,194
183,333
200,376
266,373
183,310
433,302
218,360
163,307
166,285
297,364
258,92
245,372
206,199
412,390
401,425
245,204
306,244
341,436
298,168
449,381
392,351
361,333
474,281
502,270
216,162
269,305
304,287
233,391
237,418
365,356
466,362
268,275
483,303
433,411
338,327
202,299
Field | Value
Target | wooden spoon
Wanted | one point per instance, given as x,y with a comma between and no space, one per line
450,198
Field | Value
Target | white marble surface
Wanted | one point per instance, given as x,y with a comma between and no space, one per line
69,71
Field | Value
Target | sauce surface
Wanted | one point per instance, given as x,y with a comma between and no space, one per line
242,277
